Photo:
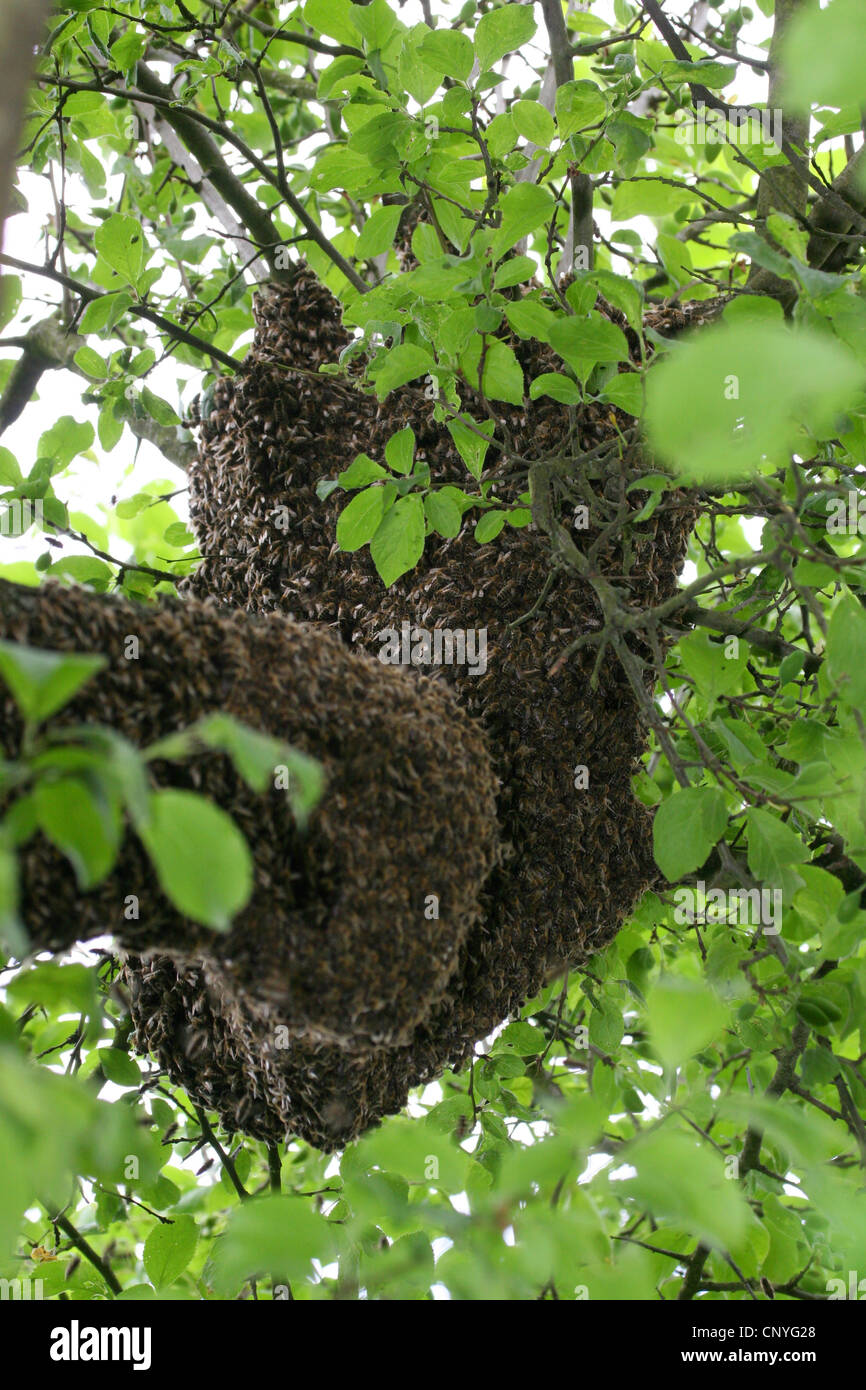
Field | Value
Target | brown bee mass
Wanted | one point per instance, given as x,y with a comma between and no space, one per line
334,942
339,988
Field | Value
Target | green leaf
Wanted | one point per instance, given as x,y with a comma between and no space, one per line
763,254
160,410
56,987
753,308
502,377
91,363
334,18
524,207
13,937
443,514
43,682
715,673
85,569
522,1037
706,71
10,298
502,137
10,473
515,271
360,519
622,294
401,364
361,472
132,506
686,828
529,319
773,849
534,122
169,1249
471,447
558,387
632,138
121,243
334,76
127,50
109,427
806,1135
256,755
606,1028
733,398
378,232
119,1067
398,543
502,31
489,525
448,53
377,23
684,1015
626,391
824,55
582,342
178,535
846,651
678,1179
64,440
275,1237
648,196
201,859
578,105
400,450
87,829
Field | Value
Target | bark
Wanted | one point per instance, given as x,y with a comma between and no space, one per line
828,248
782,188
48,345
580,222
21,24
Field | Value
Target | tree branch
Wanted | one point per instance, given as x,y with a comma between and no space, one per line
184,121
142,311
781,189
191,128
825,192
340,50
221,1154
831,244
581,229
101,1266
47,346
194,128
21,23
694,1270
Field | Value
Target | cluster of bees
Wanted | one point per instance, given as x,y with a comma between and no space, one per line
442,784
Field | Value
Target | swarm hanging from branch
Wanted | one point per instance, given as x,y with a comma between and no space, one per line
576,858
503,795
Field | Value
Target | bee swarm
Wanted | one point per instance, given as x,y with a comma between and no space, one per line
440,782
